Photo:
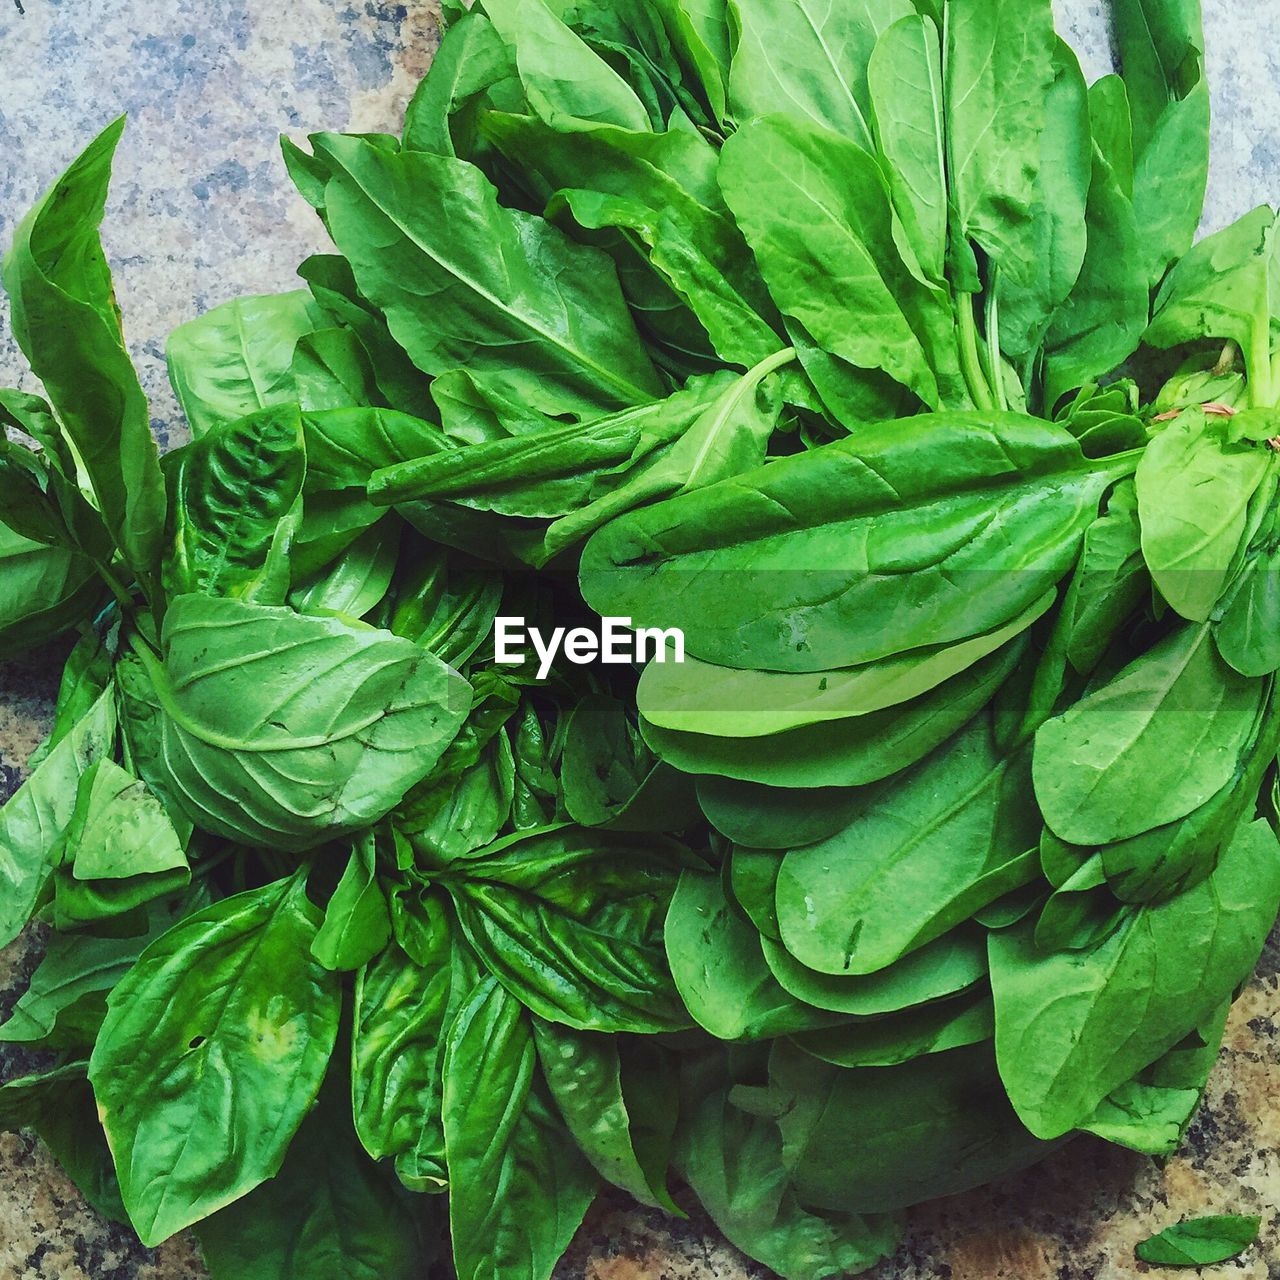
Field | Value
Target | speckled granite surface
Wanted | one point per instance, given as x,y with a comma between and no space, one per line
200,212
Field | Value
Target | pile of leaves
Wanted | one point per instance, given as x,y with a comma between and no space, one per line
866,344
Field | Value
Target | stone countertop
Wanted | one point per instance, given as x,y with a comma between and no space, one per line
201,211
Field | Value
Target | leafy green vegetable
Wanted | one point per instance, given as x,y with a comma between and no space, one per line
224,1027
1200,1242
239,357
827,338
355,718
65,320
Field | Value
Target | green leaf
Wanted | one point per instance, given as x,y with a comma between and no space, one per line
400,384
64,1006
611,779
287,729
1151,1112
329,1214
1226,287
584,1072
815,209
36,816
65,320
1160,43
238,357
499,281
1200,1242
1030,295
472,63
957,822
564,80
1101,322
877,1139
904,77
699,697
808,60
858,550
402,1012
1160,974
734,1163
903,1037
212,1053
949,965
44,591
1194,490
119,850
849,752
999,69
1147,748
358,581
660,191
715,958
58,1106
234,494
356,924
570,921
500,1132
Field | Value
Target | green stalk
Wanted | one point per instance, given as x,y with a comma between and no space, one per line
970,359
994,371
1261,378
123,598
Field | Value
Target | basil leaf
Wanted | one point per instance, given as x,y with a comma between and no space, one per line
65,320
222,1031
355,718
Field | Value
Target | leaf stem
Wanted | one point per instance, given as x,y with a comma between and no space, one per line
1261,379
994,370
123,598
970,359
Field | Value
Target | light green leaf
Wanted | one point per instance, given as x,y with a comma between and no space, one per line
238,357
213,1051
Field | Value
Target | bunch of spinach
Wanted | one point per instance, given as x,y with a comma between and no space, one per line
864,343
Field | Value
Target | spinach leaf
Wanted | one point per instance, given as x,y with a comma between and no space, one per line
858,550
1161,973
1194,490
1149,746
876,1139
734,1163
958,822
719,971
815,209
808,60
582,351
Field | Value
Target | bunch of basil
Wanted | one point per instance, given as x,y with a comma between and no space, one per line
865,343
